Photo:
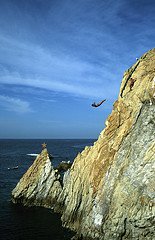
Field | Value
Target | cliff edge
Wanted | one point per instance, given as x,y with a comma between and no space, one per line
109,192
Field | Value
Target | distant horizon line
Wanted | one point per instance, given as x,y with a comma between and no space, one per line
47,138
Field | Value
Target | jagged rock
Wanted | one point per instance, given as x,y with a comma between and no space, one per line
40,185
109,191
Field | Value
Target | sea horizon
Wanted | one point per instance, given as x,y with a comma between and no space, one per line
48,138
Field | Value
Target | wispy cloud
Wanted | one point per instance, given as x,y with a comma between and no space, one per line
35,67
80,54
45,100
74,62
82,49
68,49
14,104
83,55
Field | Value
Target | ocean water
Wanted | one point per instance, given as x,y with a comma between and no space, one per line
22,223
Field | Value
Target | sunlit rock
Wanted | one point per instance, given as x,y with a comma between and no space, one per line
40,185
109,191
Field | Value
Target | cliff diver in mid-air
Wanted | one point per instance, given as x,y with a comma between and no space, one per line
98,104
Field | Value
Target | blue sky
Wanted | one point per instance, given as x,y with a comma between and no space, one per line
59,56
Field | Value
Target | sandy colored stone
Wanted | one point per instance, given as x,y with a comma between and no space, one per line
109,192
40,185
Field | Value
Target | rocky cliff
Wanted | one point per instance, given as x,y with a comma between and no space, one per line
40,185
109,192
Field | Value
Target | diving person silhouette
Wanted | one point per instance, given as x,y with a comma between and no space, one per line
98,104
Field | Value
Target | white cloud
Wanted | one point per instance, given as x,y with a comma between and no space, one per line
45,100
14,104
75,89
35,66
83,54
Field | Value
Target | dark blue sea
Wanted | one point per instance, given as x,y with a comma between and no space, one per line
22,223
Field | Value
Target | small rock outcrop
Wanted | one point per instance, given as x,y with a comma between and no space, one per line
40,185
109,191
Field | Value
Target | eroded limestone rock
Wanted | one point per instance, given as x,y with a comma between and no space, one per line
109,191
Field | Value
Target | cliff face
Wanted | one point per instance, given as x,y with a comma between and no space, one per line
109,192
